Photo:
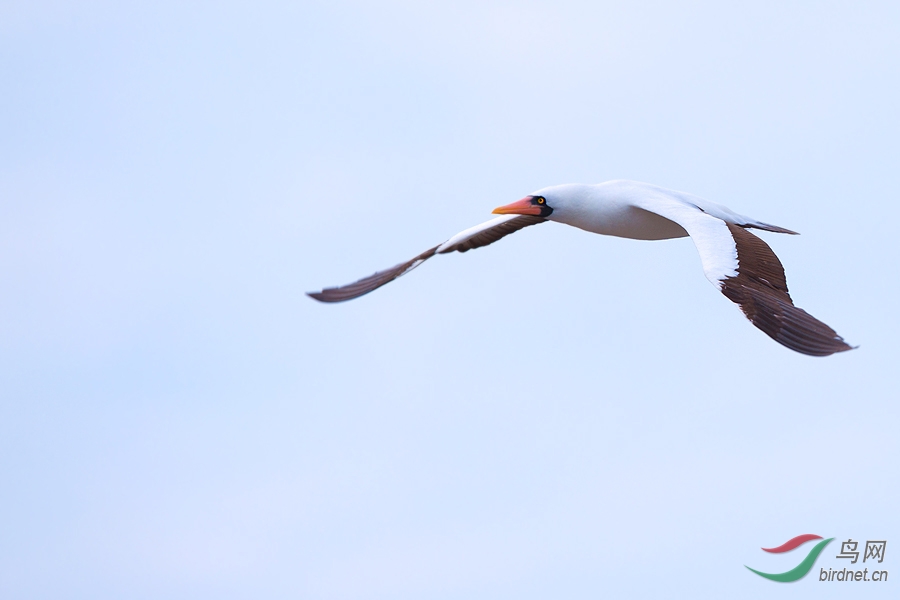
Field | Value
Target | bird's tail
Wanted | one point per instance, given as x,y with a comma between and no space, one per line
767,227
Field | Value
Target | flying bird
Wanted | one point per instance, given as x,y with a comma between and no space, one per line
738,263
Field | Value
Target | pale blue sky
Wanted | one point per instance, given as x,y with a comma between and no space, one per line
560,415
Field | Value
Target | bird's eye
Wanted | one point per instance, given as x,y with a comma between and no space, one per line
540,200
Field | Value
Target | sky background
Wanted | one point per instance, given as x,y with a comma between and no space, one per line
559,415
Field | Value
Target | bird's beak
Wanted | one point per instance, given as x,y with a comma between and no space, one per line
520,207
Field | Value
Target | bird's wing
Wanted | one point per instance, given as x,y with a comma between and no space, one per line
746,270
474,237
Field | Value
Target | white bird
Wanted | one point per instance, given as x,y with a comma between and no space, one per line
738,263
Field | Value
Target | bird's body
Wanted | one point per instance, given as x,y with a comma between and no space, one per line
740,264
608,209
617,208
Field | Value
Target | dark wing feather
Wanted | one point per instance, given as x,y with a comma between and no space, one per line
491,235
478,236
760,289
372,282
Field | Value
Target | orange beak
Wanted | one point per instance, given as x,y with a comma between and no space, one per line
519,207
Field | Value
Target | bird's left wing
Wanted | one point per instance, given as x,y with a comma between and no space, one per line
748,273
474,237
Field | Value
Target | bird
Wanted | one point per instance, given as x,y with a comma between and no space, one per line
741,265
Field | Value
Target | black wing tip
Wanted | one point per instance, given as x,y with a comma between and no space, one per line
839,346
797,330
803,335
325,297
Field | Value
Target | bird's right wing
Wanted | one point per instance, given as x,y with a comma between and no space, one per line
474,237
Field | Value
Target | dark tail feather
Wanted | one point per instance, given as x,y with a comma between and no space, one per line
767,227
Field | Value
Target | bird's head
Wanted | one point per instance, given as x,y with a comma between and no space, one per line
535,205
556,203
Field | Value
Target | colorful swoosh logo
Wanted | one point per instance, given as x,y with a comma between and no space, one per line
804,567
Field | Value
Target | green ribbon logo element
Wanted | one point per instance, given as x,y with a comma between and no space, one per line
800,570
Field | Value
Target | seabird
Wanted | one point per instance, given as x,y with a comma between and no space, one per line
738,263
